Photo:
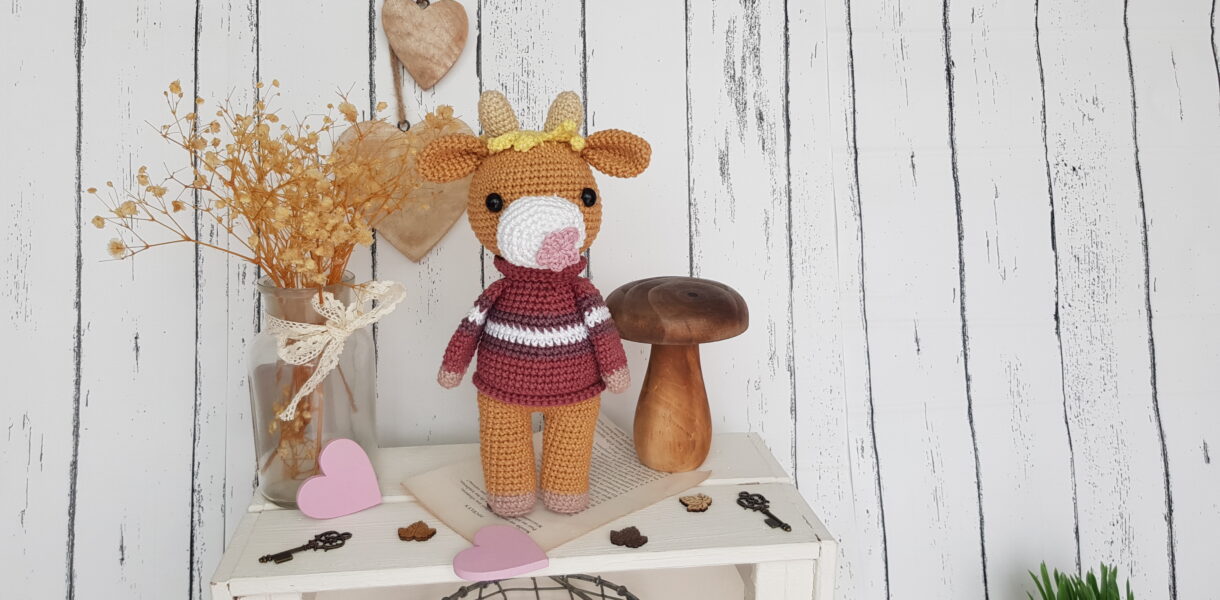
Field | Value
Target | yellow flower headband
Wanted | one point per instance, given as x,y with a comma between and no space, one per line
523,140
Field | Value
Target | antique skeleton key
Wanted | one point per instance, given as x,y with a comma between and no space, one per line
325,541
759,503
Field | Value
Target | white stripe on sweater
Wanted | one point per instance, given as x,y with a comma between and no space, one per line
476,315
593,316
538,338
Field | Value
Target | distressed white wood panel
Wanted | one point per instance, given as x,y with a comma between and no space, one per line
637,82
318,49
704,583
1103,318
783,580
739,211
1178,122
223,477
531,51
911,277
38,268
836,448
412,407
133,501
1016,385
184,464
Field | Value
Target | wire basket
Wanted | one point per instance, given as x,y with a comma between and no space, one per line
577,587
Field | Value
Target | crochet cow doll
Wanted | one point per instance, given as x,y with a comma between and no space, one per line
544,337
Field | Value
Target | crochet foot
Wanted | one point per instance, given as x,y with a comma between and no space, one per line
567,504
511,506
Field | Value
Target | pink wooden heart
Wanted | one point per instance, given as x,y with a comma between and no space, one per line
499,552
347,484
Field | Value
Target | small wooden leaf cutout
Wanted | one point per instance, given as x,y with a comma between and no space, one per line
416,532
696,503
629,537
427,41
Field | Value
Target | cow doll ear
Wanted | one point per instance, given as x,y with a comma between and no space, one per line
451,157
617,153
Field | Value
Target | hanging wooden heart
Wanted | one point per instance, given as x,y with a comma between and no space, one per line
430,209
426,38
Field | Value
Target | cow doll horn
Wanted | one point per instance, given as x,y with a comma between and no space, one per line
566,107
496,114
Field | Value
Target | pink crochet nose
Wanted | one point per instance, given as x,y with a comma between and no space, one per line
558,249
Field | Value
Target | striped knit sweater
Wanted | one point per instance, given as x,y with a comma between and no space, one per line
544,338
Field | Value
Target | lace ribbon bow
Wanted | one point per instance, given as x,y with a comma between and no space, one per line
301,343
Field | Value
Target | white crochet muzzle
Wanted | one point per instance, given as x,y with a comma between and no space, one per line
541,232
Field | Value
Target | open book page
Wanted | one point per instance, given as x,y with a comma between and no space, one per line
619,485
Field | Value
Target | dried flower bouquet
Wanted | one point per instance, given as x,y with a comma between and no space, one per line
292,200
294,209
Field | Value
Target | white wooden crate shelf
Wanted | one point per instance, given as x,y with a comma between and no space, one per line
777,564
703,583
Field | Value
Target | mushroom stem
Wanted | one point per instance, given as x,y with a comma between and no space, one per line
673,424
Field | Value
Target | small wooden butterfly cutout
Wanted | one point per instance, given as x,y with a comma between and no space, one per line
629,537
696,503
416,532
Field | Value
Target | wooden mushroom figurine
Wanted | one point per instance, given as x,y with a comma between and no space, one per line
673,424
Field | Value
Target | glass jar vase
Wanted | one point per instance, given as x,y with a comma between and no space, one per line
342,405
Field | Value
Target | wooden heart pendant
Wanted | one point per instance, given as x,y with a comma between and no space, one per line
427,39
430,209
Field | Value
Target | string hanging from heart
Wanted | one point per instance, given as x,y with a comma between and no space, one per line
425,40
400,108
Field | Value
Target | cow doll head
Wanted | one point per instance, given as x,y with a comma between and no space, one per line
533,199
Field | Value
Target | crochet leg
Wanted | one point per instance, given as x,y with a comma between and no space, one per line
507,450
567,447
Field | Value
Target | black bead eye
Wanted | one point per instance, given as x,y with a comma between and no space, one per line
588,197
495,203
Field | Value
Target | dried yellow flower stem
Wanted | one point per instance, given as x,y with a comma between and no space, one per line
292,208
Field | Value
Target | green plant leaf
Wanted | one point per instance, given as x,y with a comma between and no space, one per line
1043,591
1056,585
1038,585
1046,579
1093,590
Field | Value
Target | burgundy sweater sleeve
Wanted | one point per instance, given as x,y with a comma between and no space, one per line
607,346
465,340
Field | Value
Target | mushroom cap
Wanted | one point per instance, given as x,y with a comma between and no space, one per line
677,311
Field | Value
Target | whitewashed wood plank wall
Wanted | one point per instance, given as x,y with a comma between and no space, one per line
978,239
